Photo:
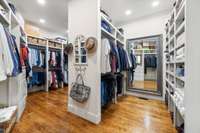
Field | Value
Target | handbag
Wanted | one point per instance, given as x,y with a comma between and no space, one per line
79,92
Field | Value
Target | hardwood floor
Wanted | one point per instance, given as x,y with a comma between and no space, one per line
145,85
47,113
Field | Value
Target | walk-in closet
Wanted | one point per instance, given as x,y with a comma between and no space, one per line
85,66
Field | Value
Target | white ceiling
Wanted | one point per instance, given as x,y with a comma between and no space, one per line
140,8
54,12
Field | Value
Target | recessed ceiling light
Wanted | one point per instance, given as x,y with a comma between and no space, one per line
42,21
155,3
128,12
41,2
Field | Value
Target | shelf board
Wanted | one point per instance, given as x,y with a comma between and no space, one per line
172,50
181,29
5,5
182,4
171,39
36,44
104,18
171,73
120,42
180,46
180,61
180,78
54,47
171,28
116,31
107,34
172,85
119,33
180,91
14,20
3,19
170,62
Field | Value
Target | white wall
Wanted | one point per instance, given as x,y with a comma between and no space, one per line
148,26
84,19
34,30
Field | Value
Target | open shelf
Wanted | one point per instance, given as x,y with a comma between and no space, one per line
107,34
115,34
3,19
175,31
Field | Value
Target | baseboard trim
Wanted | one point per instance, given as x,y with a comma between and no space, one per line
137,94
96,119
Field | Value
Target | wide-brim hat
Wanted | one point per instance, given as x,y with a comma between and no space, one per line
91,44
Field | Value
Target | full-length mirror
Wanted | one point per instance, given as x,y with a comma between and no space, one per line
144,75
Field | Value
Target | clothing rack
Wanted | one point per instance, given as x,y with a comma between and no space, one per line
110,32
48,46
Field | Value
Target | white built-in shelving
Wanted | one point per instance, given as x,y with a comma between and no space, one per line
47,45
115,34
118,38
175,61
13,91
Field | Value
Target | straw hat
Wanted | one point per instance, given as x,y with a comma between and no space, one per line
91,44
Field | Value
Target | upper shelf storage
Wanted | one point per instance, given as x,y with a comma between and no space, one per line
110,31
37,41
54,44
180,17
4,12
7,16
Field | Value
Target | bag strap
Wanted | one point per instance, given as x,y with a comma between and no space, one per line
79,76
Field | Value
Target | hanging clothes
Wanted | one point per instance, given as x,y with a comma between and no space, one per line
56,76
114,57
125,62
119,79
24,55
65,73
108,84
150,61
14,53
129,64
133,61
105,56
6,62
36,60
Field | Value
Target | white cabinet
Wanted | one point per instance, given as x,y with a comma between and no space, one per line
18,92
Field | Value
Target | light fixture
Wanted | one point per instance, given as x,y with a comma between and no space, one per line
42,21
41,2
128,12
155,3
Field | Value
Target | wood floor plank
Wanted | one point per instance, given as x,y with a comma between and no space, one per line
47,113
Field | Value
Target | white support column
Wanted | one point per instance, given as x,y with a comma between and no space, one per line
192,90
84,18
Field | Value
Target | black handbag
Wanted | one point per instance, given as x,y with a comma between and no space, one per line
79,92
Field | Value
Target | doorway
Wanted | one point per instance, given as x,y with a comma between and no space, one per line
146,76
